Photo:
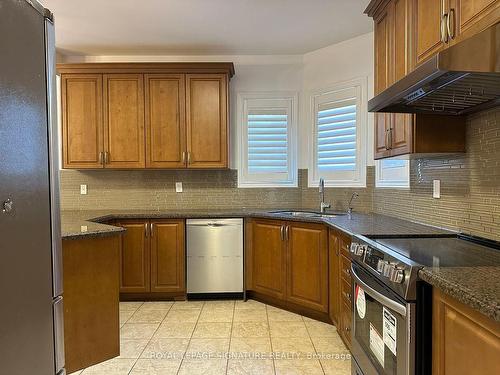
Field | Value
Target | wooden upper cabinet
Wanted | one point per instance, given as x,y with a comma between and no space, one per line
82,122
469,17
429,28
124,120
268,258
206,120
134,257
165,121
307,265
168,256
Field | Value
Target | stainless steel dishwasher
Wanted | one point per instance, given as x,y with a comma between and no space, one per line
214,257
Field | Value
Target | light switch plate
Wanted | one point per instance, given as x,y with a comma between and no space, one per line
83,189
178,187
436,193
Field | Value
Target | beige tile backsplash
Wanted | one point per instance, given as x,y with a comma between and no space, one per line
470,188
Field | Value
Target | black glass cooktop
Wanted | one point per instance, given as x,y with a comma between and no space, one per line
445,252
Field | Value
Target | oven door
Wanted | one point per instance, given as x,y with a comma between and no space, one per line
383,338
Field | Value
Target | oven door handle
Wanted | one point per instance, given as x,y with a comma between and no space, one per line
387,302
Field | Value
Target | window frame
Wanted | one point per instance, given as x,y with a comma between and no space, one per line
244,179
401,183
360,85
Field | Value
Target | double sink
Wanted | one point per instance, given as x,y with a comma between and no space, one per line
310,214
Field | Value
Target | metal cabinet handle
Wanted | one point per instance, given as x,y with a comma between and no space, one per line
390,138
7,206
449,27
287,231
151,230
444,22
282,233
101,158
387,139
183,157
146,229
189,157
106,157
347,295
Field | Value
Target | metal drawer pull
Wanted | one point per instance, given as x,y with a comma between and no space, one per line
287,231
282,233
444,35
449,27
385,301
146,229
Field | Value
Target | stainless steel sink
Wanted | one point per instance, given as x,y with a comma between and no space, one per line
311,214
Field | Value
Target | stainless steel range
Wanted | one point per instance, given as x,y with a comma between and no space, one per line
390,313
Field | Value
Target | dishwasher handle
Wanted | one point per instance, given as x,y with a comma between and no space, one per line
213,225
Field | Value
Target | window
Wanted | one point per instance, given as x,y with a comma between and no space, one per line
267,140
392,173
339,133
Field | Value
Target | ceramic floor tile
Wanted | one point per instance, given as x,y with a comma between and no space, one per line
183,315
165,348
288,329
138,330
250,345
220,303
203,367
216,315
250,367
148,316
214,348
127,306
298,367
293,345
111,367
279,315
250,329
212,330
329,345
341,366
249,315
156,367
76,373
320,329
183,305
132,348
249,304
125,315
157,305
175,330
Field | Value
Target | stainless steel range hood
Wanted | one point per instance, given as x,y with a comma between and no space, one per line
459,80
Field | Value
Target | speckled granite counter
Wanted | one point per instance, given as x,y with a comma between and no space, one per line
77,224
477,286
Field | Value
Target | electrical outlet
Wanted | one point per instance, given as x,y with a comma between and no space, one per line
436,193
83,189
178,187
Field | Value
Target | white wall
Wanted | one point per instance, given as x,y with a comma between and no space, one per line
323,68
315,70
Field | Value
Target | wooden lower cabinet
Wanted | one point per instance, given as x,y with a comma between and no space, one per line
289,262
307,265
333,276
91,301
464,340
153,258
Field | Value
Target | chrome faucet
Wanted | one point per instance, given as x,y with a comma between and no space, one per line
322,205
349,209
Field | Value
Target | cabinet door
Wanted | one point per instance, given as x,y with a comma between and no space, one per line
82,123
167,256
135,257
334,277
469,17
428,28
464,341
268,263
382,79
206,119
124,121
307,265
165,121
401,131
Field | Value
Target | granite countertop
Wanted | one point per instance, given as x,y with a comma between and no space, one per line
81,224
475,286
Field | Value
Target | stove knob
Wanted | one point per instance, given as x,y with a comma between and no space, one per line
354,247
387,268
397,275
380,266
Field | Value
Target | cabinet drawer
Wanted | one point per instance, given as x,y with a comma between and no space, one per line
345,268
344,243
346,292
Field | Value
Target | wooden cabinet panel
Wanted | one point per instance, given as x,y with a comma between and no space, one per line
346,326
82,122
464,341
427,33
135,257
334,277
167,256
307,265
124,120
268,250
165,121
472,16
207,124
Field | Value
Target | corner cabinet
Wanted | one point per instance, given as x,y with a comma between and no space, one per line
152,259
136,116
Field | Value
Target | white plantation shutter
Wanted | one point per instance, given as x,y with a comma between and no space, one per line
339,131
267,143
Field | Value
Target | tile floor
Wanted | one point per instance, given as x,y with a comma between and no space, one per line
222,337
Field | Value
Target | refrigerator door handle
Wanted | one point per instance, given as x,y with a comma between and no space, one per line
59,333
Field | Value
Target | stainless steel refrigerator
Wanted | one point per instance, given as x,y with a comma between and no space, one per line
31,325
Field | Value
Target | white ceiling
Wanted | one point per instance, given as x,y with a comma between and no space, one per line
193,27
